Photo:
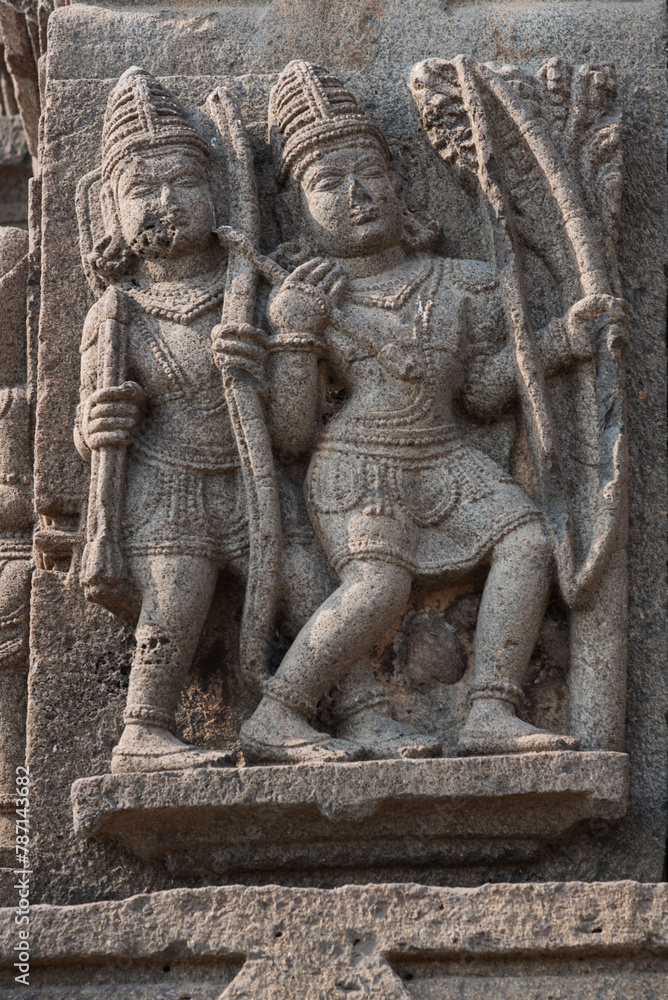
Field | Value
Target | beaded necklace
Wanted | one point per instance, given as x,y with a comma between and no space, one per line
376,294
179,304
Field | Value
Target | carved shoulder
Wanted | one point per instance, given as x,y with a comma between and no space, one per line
113,304
478,284
91,326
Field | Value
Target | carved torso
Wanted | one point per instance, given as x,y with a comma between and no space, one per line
173,363
392,477
183,494
419,319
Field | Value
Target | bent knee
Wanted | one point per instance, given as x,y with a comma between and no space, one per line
383,585
530,541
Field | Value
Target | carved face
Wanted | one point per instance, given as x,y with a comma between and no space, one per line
350,203
164,205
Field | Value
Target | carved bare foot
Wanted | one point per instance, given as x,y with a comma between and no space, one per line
384,738
146,749
277,735
493,728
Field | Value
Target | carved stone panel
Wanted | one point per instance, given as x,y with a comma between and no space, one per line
332,457
500,810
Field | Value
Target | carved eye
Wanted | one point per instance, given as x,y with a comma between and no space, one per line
189,181
328,183
142,190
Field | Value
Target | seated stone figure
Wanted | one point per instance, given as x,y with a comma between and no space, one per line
394,492
183,502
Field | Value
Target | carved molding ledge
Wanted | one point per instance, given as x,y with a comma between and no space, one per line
215,820
388,942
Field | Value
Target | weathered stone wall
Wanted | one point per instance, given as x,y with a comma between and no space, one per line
409,844
386,942
80,670
15,166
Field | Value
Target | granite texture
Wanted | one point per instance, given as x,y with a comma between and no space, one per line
370,813
494,875
80,668
385,942
501,876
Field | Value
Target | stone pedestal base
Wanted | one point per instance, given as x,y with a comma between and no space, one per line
449,811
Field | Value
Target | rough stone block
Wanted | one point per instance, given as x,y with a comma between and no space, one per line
571,941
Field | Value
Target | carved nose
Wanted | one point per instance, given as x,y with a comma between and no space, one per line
356,193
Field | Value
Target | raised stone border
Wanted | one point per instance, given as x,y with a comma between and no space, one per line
374,812
568,941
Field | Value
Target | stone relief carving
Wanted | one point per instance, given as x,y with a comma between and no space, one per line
16,522
167,512
394,488
546,151
429,354
392,440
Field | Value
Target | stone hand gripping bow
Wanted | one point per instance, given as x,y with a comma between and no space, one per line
396,364
239,351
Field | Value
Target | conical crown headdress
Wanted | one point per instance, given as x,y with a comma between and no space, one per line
142,114
308,108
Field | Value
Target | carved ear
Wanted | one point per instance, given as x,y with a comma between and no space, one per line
91,226
112,223
397,183
111,257
421,232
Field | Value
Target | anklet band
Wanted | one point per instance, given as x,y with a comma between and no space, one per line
503,690
348,707
288,695
147,715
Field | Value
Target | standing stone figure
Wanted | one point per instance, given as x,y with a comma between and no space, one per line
179,502
393,490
